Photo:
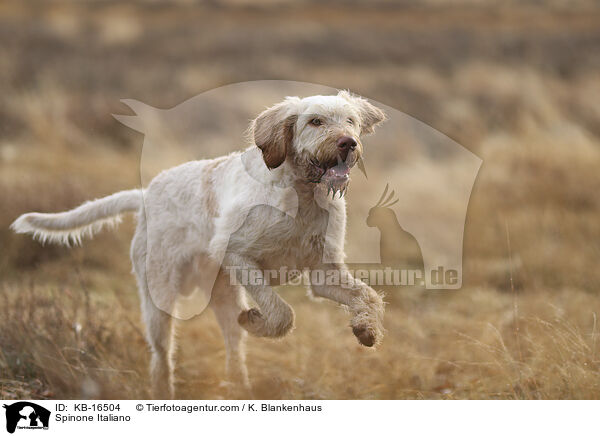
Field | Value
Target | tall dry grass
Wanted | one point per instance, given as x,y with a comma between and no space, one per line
69,342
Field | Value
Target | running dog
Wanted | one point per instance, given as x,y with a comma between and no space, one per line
203,207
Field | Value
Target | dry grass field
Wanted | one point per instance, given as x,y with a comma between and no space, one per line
517,83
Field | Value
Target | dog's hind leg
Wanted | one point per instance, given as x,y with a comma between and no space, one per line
275,317
160,336
159,324
226,302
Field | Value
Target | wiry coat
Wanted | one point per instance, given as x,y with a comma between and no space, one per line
258,209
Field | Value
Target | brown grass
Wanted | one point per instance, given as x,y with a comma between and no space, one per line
69,342
518,86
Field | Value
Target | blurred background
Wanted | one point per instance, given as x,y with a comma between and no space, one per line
516,83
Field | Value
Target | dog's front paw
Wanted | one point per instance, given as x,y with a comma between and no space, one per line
253,321
257,323
367,323
365,336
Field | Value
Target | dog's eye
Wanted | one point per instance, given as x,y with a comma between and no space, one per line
350,121
316,122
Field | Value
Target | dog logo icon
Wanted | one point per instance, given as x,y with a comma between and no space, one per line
26,415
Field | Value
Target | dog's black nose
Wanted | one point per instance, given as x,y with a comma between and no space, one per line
344,145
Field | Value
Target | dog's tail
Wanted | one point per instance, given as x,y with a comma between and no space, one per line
86,220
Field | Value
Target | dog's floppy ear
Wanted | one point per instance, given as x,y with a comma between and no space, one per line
273,131
370,116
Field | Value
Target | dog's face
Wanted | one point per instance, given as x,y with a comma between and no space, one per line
319,136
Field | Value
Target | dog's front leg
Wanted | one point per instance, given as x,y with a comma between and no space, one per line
275,317
335,282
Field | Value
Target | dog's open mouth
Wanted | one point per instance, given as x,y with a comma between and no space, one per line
334,177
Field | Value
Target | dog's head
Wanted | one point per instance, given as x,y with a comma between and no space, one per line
318,136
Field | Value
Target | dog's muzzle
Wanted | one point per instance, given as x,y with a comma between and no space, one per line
336,176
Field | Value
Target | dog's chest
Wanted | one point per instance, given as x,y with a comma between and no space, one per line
277,239
303,235
300,245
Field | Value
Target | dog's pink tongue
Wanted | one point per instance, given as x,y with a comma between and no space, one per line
341,170
336,178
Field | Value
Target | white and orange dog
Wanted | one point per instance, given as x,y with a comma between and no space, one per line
309,144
